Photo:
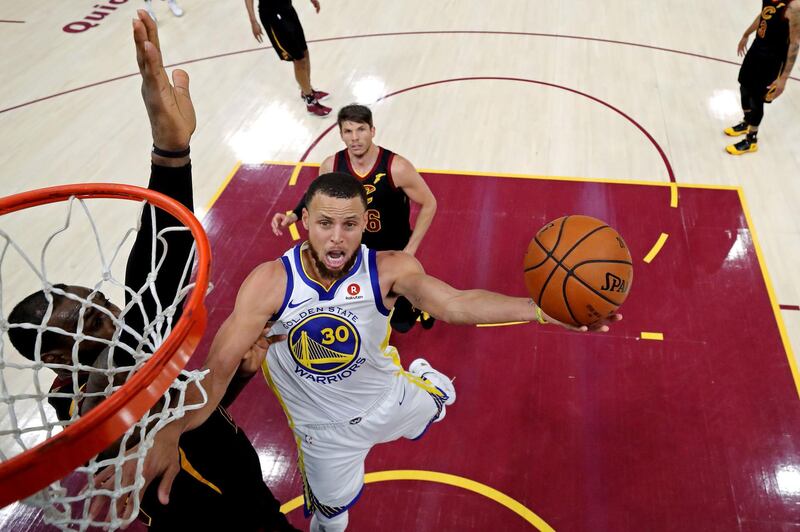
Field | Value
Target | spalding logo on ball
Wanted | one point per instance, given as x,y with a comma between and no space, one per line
578,270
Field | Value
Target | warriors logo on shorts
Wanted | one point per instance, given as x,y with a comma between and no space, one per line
324,343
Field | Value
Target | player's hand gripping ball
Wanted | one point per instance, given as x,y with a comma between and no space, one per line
578,270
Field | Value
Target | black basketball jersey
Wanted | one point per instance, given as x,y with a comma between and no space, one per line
772,35
274,6
388,211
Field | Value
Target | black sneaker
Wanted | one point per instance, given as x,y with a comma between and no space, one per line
743,146
739,129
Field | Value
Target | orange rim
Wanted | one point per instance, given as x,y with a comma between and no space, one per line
53,459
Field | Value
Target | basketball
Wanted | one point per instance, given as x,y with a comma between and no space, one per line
578,270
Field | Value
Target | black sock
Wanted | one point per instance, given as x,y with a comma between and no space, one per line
751,137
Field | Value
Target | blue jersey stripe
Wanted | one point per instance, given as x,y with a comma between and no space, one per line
289,287
376,285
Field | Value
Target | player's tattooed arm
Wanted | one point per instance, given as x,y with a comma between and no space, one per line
793,15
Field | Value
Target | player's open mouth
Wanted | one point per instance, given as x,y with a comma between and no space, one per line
335,259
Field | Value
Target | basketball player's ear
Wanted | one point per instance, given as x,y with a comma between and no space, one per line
305,218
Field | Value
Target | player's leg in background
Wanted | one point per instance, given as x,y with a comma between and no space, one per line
753,107
302,73
742,127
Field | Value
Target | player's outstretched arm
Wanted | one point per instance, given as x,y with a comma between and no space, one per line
260,296
461,307
172,122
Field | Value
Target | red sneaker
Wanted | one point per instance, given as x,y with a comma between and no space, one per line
316,108
317,95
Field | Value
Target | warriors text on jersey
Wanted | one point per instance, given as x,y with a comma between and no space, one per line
388,225
334,366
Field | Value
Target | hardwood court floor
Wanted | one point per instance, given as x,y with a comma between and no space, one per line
616,432
588,432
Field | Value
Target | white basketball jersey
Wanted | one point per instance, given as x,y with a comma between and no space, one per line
334,365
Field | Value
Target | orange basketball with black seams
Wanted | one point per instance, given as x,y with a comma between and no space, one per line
578,269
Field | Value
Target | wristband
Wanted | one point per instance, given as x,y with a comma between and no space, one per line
539,316
170,154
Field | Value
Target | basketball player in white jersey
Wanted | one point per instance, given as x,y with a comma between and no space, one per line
340,384
329,362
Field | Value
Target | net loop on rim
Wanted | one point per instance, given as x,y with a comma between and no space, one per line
120,398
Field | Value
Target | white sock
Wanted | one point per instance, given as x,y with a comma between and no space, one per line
320,523
175,8
148,5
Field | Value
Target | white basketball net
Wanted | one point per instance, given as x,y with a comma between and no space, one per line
26,418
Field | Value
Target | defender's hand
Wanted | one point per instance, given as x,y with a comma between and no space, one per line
169,106
281,220
258,351
255,27
742,48
162,460
775,89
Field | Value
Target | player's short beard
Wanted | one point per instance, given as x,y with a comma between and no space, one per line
330,274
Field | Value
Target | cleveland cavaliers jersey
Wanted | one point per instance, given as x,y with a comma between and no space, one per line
332,368
772,34
388,210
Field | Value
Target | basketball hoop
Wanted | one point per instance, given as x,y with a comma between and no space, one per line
82,438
